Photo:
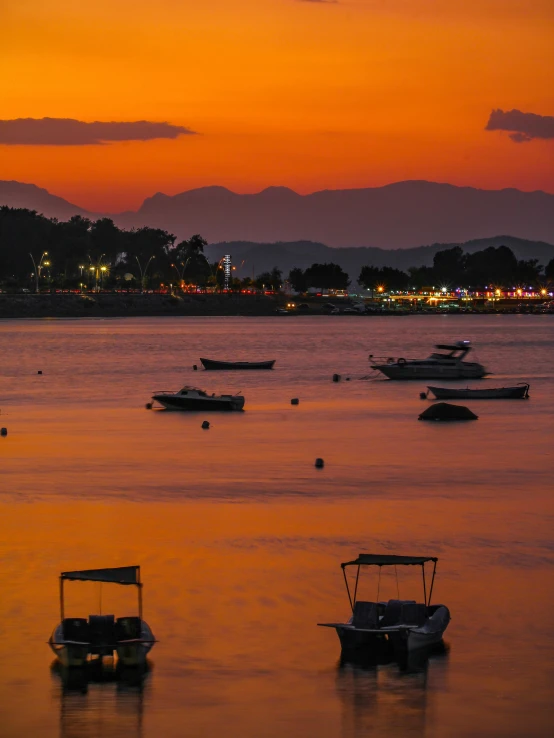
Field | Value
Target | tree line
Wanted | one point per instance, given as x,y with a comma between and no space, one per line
38,252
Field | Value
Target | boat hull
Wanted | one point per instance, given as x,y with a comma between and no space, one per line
520,392
213,365
207,404
416,370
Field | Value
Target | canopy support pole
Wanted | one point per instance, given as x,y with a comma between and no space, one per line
61,600
424,585
432,582
378,584
347,588
356,587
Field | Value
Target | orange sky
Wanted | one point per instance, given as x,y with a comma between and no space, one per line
311,95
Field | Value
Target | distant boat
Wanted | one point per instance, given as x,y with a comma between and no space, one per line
221,365
437,366
519,392
74,640
192,398
405,625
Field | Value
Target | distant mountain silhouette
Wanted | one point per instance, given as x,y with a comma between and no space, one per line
400,215
255,258
21,195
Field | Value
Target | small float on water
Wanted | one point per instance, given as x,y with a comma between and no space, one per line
192,398
75,640
518,392
403,625
212,364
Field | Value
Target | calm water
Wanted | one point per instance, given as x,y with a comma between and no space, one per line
240,537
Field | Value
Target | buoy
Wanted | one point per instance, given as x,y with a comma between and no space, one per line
3,431
336,377
205,425
148,406
319,463
423,395
348,379
39,372
294,401
194,367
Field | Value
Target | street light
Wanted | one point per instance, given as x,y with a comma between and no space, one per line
143,271
38,268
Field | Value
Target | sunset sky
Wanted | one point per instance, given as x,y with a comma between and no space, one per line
302,93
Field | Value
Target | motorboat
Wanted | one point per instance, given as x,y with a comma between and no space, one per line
192,398
76,640
450,365
403,625
212,364
518,392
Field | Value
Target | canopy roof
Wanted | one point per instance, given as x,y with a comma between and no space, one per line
380,560
118,575
454,346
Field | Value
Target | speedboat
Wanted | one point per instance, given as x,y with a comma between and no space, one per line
75,639
403,625
449,365
192,398
518,392
236,365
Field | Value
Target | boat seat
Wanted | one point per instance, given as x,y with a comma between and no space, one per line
413,614
102,630
127,629
365,614
75,629
393,612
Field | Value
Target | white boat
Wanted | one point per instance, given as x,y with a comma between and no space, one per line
449,365
77,639
192,398
404,625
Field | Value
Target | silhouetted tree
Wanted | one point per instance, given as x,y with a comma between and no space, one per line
297,278
326,276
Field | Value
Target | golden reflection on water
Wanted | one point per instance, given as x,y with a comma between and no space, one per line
239,538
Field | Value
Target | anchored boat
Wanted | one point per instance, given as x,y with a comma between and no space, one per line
220,365
519,392
75,639
449,365
404,625
192,398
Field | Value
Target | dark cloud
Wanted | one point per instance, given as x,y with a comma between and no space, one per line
523,127
69,132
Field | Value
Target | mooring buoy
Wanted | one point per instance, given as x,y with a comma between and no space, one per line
39,372
148,406
336,377
294,401
3,431
205,425
423,395
194,367
319,463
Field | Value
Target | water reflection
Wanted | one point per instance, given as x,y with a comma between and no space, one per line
106,701
388,698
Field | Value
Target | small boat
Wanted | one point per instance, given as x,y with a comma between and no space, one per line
402,625
74,640
518,392
192,398
222,365
449,365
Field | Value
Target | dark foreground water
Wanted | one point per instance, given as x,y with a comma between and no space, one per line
240,537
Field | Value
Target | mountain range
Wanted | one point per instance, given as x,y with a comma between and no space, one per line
396,216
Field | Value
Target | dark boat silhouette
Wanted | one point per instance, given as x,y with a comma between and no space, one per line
211,364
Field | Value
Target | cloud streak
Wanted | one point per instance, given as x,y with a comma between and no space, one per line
522,127
70,132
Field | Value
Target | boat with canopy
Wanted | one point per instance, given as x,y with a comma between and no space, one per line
405,625
449,365
76,639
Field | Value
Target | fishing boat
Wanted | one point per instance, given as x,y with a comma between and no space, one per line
518,392
404,625
76,640
450,365
211,364
192,398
